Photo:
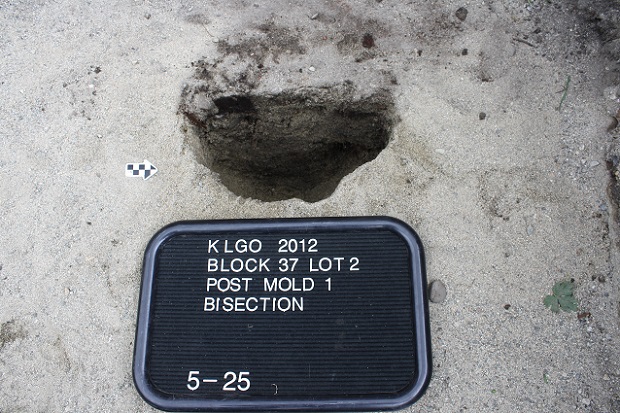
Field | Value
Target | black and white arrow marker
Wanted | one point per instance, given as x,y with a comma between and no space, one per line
144,170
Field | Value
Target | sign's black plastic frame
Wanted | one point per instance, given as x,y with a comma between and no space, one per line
368,403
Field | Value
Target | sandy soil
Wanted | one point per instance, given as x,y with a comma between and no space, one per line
500,159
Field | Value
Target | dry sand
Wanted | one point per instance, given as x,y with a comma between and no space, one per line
506,205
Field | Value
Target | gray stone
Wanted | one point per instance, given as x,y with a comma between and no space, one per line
437,291
461,13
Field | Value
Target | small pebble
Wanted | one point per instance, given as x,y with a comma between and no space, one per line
605,377
482,116
530,230
594,163
461,13
440,151
314,16
437,292
215,40
311,68
586,402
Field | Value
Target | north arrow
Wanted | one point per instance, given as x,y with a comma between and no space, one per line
144,170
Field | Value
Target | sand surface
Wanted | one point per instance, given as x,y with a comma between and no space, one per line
499,157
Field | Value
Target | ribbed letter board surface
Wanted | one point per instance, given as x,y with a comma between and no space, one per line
325,314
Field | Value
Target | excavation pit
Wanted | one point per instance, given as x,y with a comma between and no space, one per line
294,144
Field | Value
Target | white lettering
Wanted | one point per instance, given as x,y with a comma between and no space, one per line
298,304
286,284
241,246
287,304
227,304
252,304
270,287
326,264
255,246
210,304
212,265
238,265
211,282
263,264
228,284
247,304
212,246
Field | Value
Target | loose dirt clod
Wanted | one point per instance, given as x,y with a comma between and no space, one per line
294,144
9,332
368,41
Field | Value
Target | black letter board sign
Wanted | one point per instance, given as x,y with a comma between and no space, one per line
325,314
